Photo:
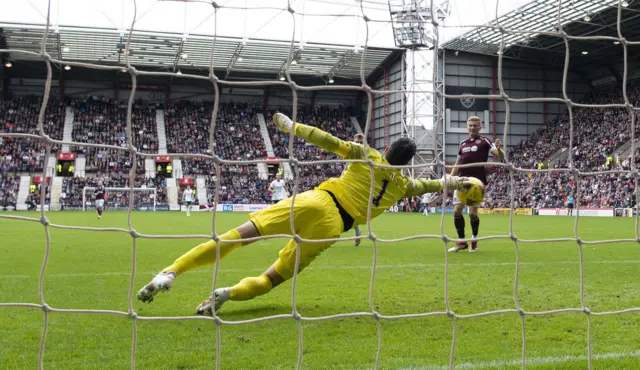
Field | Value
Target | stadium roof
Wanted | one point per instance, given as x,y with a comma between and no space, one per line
163,51
578,18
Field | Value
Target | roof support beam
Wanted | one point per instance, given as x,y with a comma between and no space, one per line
59,47
178,54
602,27
163,50
296,56
343,61
234,58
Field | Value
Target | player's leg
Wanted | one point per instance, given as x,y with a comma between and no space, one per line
99,207
358,233
201,255
459,223
320,221
279,272
474,220
270,221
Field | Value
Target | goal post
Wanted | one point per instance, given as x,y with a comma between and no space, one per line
87,189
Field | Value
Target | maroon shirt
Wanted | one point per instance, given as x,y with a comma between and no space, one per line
474,151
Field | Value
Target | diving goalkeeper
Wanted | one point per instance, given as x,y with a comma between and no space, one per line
335,206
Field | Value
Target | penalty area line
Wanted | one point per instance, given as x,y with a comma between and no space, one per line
338,267
499,364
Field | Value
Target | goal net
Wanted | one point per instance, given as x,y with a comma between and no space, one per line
144,199
294,15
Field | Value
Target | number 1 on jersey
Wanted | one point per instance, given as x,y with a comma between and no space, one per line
377,199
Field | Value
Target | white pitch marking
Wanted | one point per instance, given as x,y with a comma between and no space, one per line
337,267
500,364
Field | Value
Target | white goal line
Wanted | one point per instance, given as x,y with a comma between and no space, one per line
347,267
500,364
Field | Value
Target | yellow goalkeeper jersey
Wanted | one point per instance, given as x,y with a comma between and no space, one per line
352,188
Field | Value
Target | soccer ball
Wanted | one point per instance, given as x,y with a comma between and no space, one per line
474,195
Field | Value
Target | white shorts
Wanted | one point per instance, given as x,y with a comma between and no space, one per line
456,201
99,203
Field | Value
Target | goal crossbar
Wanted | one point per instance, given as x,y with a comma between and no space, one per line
90,188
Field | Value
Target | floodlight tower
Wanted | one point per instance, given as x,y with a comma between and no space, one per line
413,30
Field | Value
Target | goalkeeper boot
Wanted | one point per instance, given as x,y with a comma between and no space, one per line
220,295
160,283
474,246
459,246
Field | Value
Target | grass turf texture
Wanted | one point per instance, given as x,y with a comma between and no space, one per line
91,270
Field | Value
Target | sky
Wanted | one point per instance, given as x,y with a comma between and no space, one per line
324,21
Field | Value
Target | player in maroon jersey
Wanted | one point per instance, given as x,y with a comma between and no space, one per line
474,149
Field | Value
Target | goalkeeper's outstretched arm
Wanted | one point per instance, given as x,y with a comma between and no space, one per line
419,187
319,138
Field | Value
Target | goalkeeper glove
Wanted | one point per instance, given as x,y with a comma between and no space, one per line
456,182
284,123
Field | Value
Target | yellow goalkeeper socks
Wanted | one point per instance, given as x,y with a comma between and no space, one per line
205,253
249,288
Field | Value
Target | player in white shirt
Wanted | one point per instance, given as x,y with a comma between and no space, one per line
426,198
278,189
187,198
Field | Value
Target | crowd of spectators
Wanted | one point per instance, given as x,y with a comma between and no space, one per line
239,185
8,189
237,135
101,120
20,116
597,133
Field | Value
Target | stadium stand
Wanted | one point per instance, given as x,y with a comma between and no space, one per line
100,120
240,185
237,138
20,115
598,133
8,189
237,135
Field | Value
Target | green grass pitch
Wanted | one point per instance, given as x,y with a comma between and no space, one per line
91,270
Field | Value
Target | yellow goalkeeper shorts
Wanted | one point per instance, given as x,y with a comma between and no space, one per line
315,216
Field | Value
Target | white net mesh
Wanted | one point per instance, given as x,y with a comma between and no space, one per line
217,83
